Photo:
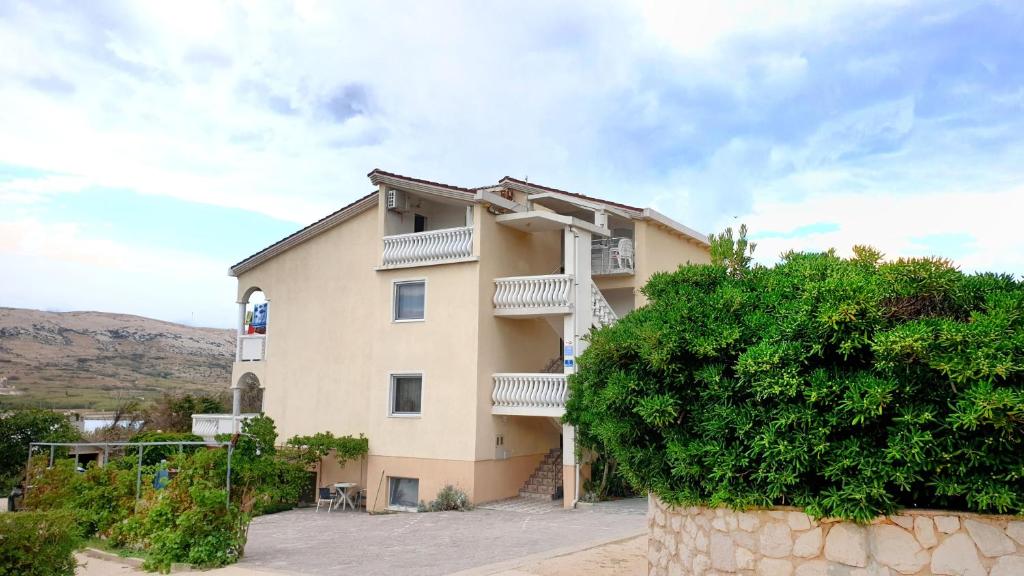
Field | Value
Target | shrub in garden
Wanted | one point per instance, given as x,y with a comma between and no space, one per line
38,543
154,454
850,387
100,497
448,498
191,520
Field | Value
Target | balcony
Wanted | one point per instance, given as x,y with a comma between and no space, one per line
531,296
427,248
251,348
529,394
612,256
210,425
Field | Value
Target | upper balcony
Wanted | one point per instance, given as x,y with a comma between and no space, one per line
612,256
424,231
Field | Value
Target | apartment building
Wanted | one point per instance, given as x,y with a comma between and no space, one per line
441,322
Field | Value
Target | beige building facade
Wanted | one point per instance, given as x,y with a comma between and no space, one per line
441,323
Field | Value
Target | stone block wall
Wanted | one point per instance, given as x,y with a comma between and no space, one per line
699,541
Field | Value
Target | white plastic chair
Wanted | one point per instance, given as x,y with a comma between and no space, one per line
622,254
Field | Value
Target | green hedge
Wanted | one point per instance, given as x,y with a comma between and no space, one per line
848,387
38,543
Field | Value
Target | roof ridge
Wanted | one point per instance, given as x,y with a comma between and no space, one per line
576,194
420,180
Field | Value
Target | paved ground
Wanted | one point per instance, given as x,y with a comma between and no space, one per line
307,542
623,558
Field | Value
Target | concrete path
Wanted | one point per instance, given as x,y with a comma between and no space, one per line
484,541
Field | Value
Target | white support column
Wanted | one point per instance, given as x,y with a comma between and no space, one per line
576,325
241,331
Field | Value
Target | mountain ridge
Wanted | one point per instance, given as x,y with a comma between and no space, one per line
88,359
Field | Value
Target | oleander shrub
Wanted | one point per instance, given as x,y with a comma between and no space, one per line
38,543
849,387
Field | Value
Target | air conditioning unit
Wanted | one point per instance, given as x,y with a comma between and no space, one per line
397,201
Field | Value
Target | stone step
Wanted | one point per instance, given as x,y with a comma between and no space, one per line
543,482
537,496
541,488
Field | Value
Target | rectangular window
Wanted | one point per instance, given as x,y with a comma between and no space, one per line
403,493
409,300
419,223
406,394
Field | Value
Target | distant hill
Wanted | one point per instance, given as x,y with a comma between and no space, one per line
96,360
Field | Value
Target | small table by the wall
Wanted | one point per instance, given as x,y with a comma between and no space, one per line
343,498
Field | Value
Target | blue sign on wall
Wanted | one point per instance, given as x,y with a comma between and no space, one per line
569,362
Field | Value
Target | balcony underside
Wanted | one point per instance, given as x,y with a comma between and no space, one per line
528,411
534,312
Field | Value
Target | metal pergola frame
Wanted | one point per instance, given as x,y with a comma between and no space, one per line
141,445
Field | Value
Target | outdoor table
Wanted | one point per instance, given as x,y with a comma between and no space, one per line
343,499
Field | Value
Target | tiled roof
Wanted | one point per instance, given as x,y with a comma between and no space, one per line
422,181
583,196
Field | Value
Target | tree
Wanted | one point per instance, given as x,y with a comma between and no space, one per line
735,254
173,412
21,427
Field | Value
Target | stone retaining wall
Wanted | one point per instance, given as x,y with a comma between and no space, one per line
786,542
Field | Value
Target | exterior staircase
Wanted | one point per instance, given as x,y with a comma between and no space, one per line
546,481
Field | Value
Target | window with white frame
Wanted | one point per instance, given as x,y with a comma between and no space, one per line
406,394
403,493
409,302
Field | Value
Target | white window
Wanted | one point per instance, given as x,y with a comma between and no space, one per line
403,493
409,300
406,394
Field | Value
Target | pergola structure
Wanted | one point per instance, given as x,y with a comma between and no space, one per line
125,446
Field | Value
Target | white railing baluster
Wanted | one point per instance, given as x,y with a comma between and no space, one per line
433,247
526,294
529,394
603,312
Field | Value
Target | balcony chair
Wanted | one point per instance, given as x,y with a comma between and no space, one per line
622,254
324,497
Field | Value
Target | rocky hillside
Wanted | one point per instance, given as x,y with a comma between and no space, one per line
98,360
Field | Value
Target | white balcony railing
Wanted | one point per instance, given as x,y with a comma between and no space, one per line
251,347
210,425
602,310
526,295
433,247
529,394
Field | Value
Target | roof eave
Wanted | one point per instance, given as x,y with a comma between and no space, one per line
686,231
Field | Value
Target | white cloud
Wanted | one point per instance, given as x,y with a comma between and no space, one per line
56,266
900,226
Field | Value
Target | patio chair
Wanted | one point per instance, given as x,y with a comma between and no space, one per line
623,254
324,497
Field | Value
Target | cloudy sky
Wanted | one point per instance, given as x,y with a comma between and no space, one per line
144,147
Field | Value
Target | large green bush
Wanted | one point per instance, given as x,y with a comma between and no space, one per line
848,387
38,544
20,427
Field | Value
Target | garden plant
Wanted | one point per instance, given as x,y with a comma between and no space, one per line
850,387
